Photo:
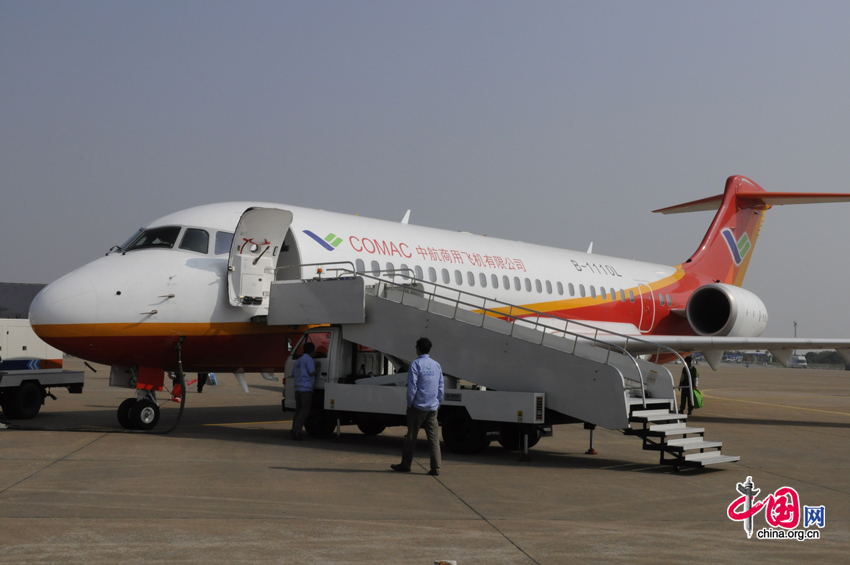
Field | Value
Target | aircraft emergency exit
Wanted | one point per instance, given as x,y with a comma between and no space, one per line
200,278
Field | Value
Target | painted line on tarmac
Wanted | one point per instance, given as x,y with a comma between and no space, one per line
776,405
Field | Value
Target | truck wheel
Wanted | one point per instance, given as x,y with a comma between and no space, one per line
371,427
320,424
511,438
144,415
124,413
23,402
465,436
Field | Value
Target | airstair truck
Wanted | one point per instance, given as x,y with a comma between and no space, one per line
530,370
29,369
361,386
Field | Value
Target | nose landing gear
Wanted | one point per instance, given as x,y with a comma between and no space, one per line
139,414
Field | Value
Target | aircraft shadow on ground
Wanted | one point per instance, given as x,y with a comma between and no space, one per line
236,423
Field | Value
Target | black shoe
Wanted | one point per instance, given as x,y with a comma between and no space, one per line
399,469
296,436
434,472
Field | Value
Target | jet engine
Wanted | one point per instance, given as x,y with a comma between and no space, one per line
726,310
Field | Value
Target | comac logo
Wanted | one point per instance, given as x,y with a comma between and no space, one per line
330,242
738,248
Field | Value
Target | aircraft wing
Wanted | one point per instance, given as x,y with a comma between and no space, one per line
713,347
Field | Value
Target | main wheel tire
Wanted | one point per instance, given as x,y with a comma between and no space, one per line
7,405
320,424
144,415
124,413
371,427
512,439
23,402
465,436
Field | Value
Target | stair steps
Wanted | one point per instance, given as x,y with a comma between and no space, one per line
666,431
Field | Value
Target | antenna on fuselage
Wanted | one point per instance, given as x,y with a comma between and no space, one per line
406,218
590,249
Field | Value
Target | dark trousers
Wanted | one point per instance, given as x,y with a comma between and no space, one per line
303,401
686,400
202,380
428,421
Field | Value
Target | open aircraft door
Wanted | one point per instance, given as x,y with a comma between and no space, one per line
253,256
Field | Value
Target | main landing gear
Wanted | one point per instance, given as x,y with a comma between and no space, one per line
139,413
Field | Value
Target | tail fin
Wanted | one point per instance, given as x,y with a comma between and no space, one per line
727,247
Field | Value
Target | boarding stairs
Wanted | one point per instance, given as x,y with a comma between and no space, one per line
506,347
663,429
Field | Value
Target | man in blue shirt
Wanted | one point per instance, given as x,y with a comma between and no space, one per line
304,374
424,394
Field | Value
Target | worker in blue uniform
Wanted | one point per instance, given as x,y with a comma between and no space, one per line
304,374
424,394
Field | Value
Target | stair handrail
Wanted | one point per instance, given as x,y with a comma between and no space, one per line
495,313
537,324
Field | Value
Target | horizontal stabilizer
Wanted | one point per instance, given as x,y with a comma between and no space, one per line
759,199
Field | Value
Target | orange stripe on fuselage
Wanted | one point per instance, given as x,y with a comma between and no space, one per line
575,303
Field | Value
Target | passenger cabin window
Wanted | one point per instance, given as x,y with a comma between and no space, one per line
517,284
432,274
390,269
447,278
631,296
196,240
359,266
560,289
661,299
538,286
548,287
482,280
470,278
419,274
458,278
506,282
572,289
603,293
404,271
613,294
223,240
581,290
156,237
376,269
669,301
495,280
622,295
528,285
592,291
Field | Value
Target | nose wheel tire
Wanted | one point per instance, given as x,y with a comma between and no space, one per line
124,413
144,415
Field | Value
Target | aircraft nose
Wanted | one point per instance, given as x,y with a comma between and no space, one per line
67,306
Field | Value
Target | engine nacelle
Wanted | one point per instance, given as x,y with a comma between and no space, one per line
726,310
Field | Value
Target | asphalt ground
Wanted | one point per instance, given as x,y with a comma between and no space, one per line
230,486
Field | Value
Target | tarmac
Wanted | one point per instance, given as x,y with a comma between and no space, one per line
228,485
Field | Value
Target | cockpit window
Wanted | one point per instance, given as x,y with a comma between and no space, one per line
196,240
156,237
222,242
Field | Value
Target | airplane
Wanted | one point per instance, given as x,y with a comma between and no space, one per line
187,290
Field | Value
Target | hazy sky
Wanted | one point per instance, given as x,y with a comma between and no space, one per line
558,123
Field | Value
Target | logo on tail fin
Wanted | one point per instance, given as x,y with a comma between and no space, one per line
739,248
